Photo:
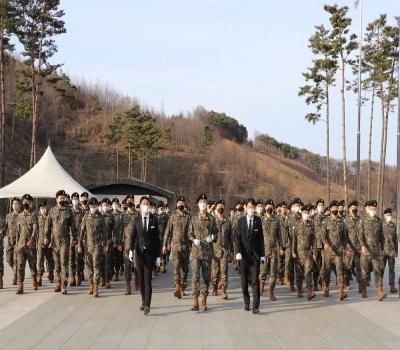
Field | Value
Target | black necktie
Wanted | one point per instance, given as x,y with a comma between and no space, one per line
145,224
250,226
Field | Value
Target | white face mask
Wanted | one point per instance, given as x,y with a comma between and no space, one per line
260,210
115,206
75,202
372,213
16,206
152,211
202,206
43,211
106,208
388,218
296,209
93,210
145,209
306,217
320,209
250,212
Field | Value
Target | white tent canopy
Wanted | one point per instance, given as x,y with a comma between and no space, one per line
43,180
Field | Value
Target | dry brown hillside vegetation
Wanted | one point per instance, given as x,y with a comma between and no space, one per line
202,151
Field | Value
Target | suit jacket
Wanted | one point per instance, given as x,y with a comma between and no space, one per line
150,239
250,244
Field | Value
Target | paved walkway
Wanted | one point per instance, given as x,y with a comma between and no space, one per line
45,320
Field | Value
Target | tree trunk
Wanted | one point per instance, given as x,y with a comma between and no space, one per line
117,172
328,166
34,119
342,91
3,111
371,119
378,192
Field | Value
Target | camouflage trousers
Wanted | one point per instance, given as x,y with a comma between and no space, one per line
219,269
369,263
72,261
128,267
1,258
352,266
180,258
93,259
333,262
317,269
203,264
61,262
118,260
107,263
390,260
270,267
80,261
289,264
281,265
45,253
23,255
303,267
11,257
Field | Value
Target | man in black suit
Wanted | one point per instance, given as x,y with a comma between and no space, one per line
250,253
145,239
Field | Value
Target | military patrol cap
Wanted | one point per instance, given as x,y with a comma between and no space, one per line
388,211
320,201
106,200
129,196
221,201
202,196
93,201
115,200
60,193
297,200
306,207
75,195
269,202
160,204
260,201
84,194
353,203
180,198
341,203
333,203
43,203
371,203
27,196
15,199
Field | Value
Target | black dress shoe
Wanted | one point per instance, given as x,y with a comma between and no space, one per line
256,311
146,310
142,308
246,308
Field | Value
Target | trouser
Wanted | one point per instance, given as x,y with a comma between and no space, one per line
80,261
390,260
128,267
26,254
289,264
333,262
11,257
317,267
144,267
109,261
45,253
93,258
303,266
102,268
181,265
270,267
219,269
1,258
203,264
376,264
72,261
249,273
61,261
352,266
118,260
281,265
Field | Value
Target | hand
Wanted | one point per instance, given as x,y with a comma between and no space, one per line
326,246
46,241
164,250
294,255
120,248
262,260
131,255
73,242
346,252
382,253
281,252
238,256
315,257
79,249
209,239
196,242
158,262
168,248
364,250
30,244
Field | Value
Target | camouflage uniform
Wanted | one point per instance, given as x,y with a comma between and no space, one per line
272,244
127,219
27,231
370,235
44,251
200,227
113,239
59,227
162,224
390,248
222,248
3,232
177,234
118,255
234,222
304,246
352,260
93,234
318,262
291,221
11,252
284,241
334,234
77,265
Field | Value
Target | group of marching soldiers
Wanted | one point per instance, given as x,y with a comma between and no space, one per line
298,244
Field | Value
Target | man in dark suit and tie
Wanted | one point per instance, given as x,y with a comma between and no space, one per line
250,253
145,239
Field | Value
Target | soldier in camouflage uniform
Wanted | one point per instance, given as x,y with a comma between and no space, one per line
334,237
222,249
3,232
372,241
127,219
202,232
163,218
234,221
293,217
304,252
93,235
272,245
80,257
44,252
318,220
341,209
118,251
11,227
352,260
391,248
176,239
77,265
282,217
59,229
27,235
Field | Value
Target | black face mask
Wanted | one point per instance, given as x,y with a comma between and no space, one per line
84,202
25,205
269,210
221,210
130,204
181,207
62,203
341,212
334,212
241,209
354,211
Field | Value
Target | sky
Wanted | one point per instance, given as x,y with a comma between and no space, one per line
244,58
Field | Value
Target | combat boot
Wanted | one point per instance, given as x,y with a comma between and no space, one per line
20,289
204,303
342,294
359,287
262,286
14,281
393,289
177,293
78,279
299,292
224,296
40,280
96,290
103,282
108,284
116,278
72,282
51,276
310,293
363,291
287,281
183,287
34,283
58,287
325,288
381,294
292,288
271,293
64,288
91,289
195,306
280,281
215,289
1,280
128,289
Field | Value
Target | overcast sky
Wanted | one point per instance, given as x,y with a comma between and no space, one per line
241,57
